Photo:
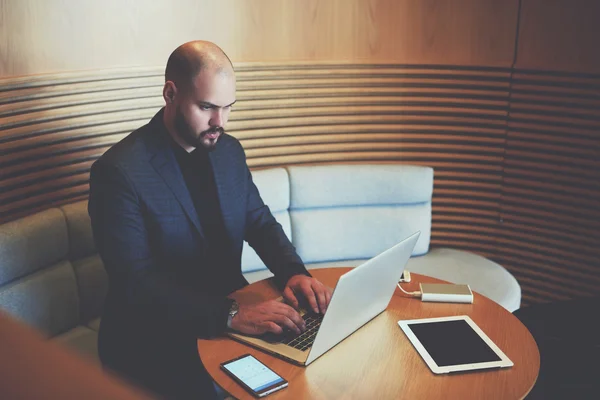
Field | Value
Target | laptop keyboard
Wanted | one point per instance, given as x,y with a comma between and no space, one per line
302,341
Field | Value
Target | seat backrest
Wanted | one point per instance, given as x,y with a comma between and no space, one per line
274,187
37,281
51,276
92,279
356,211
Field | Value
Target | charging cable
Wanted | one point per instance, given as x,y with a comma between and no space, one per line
416,294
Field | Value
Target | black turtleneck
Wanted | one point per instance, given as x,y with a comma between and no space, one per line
199,178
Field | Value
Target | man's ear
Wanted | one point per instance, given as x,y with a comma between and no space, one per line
169,92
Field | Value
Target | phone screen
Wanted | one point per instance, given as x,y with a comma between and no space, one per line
253,373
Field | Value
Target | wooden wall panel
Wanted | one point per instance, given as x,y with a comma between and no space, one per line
559,35
551,191
550,209
450,118
67,35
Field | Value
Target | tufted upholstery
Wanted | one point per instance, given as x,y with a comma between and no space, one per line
336,209
274,187
336,215
51,276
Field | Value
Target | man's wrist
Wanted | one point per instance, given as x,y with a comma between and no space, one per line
233,310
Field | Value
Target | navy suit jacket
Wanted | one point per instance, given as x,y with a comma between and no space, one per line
151,241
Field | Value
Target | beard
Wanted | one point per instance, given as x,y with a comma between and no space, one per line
189,136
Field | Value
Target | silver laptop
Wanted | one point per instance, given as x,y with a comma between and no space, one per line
360,295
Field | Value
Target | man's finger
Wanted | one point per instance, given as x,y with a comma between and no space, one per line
328,295
320,292
292,315
289,295
310,297
285,322
272,327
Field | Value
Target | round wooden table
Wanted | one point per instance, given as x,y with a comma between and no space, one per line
379,362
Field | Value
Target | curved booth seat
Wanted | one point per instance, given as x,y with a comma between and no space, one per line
51,276
344,214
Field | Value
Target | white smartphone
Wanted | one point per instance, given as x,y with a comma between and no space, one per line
253,375
405,276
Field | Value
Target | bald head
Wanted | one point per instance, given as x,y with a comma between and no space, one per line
190,58
199,92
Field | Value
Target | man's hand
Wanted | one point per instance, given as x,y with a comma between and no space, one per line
269,316
316,294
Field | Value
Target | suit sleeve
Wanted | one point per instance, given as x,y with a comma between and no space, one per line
121,236
267,238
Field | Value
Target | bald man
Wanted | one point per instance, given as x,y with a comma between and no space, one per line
171,205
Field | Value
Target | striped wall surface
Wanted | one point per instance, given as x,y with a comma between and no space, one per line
551,193
454,119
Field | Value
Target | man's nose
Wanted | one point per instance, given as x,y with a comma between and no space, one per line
217,119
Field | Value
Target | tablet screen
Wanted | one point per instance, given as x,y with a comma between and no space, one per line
452,343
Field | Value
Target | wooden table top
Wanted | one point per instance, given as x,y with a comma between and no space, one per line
379,362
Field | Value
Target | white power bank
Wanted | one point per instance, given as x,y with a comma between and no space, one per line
446,293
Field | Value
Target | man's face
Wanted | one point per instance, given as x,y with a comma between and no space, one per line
202,111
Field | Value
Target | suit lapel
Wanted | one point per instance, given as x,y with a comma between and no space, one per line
164,163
